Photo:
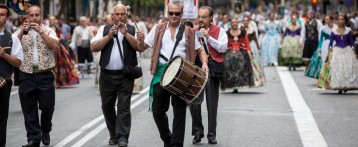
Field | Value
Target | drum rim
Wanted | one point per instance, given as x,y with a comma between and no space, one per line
181,63
172,60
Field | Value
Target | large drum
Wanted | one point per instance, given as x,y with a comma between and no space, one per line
184,79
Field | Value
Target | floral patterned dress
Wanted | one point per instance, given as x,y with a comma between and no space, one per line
340,72
238,68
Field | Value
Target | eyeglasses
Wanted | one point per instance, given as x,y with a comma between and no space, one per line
174,13
203,17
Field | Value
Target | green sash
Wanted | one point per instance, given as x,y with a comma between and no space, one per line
156,79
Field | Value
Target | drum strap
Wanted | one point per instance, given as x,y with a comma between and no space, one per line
205,48
178,37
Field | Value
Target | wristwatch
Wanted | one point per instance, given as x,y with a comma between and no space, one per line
41,31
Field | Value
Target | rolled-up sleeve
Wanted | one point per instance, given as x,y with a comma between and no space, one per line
149,39
99,34
16,48
219,45
53,35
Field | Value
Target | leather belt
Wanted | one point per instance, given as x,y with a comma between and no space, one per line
112,72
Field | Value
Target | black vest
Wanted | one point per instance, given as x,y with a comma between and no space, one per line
130,55
311,30
6,69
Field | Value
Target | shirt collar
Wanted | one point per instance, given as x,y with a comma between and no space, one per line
2,32
168,25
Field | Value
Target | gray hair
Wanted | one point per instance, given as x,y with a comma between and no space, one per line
82,18
119,5
179,3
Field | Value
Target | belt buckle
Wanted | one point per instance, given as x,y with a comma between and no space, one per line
2,82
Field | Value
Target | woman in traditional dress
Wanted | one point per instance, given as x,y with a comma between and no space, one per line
320,54
238,69
65,73
271,41
258,71
340,72
291,52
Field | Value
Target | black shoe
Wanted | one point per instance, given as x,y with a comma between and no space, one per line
197,139
339,91
212,141
122,143
294,68
45,138
32,144
112,141
289,68
235,91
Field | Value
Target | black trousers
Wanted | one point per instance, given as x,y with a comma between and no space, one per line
212,99
84,54
4,110
116,87
160,105
37,91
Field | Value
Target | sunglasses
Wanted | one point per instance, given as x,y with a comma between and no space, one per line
174,13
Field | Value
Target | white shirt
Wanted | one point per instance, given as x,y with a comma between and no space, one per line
168,43
33,34
16,48
141,26
79,34
115,60
303,31
219,45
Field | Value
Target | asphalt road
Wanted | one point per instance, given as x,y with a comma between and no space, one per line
288,112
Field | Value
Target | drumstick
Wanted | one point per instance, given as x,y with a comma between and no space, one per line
133,19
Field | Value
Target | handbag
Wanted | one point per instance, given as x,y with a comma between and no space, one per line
129,71
216,69
132,72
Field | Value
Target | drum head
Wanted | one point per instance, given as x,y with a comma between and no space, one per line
171,71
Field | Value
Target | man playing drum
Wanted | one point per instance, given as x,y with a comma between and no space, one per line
162,39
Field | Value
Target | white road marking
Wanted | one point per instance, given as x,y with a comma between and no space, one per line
90,135
96,120
14,92
100,128
144,91
307,126
79,132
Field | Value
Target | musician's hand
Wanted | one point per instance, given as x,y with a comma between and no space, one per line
205,33
122,28
36,27
112,31
205,67
140,36
24,26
